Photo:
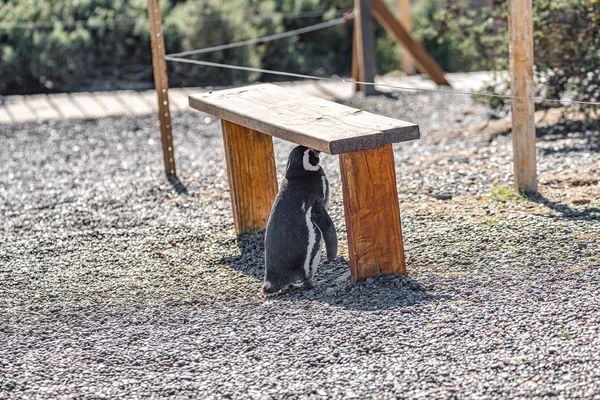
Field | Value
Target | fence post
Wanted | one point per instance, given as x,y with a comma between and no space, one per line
424,62
404,16
364,49
520,27
355,66
161,83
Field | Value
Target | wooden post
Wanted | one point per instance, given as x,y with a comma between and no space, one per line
161,83
365,45
521,84
355,66
372,213
404,16
252,175
424,62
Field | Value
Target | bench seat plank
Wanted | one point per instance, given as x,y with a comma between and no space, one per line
302,119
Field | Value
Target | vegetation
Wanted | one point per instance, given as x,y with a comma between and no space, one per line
505,194
107,40
66,56
490,221
566,45
317,53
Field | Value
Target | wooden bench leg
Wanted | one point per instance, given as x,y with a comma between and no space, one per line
252,176
372,213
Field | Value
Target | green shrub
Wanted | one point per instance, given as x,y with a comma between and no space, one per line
434,29
238,20
429,21
115,46
566,45
320,53
229,21
67,57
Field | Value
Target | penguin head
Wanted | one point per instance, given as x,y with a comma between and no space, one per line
303,161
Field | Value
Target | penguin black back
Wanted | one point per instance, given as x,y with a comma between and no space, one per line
297,223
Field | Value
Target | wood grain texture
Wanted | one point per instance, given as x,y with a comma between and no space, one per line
521,84
372,213
365,45
424,62
161,83
299,118
404,16
252,176
355,65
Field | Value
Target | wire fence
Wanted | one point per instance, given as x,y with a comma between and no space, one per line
178,57
348,80
343,16
265,39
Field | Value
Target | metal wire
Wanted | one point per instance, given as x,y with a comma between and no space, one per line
265,39
176,57
320,78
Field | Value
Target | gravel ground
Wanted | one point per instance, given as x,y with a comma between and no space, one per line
116,284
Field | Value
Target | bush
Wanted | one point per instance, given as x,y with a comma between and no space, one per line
65,57
566,45
238,20
115,47
433,27
320,53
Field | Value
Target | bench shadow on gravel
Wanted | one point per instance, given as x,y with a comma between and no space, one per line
588,134
333,284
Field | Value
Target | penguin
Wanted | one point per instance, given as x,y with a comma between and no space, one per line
298,223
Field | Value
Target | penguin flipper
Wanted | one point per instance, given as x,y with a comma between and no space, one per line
322,219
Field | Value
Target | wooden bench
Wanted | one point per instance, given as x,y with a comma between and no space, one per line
251,115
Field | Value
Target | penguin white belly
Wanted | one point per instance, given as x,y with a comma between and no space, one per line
325,191
312,241
316,259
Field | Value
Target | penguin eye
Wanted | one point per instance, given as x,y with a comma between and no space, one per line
310,162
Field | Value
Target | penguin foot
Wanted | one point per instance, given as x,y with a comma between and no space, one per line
269,288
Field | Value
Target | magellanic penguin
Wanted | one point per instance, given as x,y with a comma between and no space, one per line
297,224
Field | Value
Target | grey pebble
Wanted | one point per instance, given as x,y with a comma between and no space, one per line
116,284
444,196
